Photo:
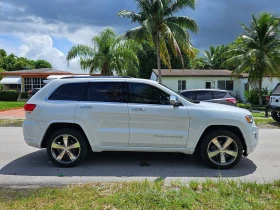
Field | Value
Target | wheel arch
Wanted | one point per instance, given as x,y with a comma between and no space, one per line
58,126
233,129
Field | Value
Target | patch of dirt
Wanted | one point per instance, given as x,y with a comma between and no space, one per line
273,125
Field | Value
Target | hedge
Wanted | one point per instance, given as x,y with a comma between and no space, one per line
8,95
24,95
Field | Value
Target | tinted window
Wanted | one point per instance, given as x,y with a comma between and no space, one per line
69,92
147,94
189,95
203,95
217,94
106,92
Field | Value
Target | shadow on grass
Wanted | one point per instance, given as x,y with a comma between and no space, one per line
125,164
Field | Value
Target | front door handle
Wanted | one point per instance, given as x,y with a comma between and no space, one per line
138,109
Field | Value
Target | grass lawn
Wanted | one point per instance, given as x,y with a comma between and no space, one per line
11,122
222,194
4,105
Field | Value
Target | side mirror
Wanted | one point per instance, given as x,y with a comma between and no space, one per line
174,100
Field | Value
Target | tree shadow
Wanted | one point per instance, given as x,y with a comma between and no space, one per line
125,164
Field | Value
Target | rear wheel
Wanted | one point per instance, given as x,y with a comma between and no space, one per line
221,149
67,147
275,115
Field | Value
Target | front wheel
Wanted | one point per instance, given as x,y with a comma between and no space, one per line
275,115
221,149
67,147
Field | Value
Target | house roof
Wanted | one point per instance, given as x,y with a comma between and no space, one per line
195,73
33,72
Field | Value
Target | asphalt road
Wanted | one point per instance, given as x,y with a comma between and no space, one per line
21,165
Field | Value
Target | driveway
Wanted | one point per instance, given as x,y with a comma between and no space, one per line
21,165
13,114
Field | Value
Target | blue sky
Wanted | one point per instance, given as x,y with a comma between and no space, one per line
40,29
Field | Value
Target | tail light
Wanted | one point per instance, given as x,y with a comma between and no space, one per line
29,107
232,100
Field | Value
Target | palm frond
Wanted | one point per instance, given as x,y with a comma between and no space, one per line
178,5
184,22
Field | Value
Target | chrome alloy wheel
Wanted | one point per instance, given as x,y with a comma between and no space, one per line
65,148
222,150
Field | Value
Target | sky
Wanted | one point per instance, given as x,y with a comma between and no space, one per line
40,29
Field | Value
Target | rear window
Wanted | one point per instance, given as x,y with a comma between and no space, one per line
69,92
218,94
276,91
203,95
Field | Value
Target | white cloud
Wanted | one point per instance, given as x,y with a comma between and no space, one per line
41,47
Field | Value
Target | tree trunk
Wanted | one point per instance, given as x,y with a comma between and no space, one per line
158,59
260,91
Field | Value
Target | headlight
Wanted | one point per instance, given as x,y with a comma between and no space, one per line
249,118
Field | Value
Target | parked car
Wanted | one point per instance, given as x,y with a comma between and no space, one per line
32,92
210,95
274,103
70,115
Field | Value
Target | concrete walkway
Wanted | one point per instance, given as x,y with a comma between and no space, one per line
13,114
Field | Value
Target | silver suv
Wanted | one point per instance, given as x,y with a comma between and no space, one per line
210,95
70,115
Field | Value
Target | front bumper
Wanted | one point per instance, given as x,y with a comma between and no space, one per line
252,140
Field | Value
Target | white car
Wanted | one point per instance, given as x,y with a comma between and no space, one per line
70,115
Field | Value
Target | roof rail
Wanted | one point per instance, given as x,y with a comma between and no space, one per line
72,77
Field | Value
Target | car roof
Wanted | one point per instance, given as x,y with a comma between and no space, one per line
218,90
103,78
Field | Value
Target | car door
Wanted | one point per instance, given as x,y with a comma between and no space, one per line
153,121
104,114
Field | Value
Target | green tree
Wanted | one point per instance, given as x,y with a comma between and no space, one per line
40,64
3,53
108,54
258,50
159,26
10,62
215,56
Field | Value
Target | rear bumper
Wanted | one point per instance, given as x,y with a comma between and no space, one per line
275,108
32,132
33,143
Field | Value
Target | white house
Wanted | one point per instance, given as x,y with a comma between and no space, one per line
178,79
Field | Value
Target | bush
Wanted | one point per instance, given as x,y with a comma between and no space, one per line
8,95
252,96
24,95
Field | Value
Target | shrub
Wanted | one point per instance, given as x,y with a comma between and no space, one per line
252,96
8,95
24,95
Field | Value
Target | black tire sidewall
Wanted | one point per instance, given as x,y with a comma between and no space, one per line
274,115
83,145
206,140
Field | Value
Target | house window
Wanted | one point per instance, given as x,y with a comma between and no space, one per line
225,84
31,83
246,87
181,84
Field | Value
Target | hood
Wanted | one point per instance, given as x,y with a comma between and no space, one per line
216,106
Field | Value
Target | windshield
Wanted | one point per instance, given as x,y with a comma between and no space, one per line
192,101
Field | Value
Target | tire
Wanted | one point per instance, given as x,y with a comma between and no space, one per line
221,158
275,115
75,152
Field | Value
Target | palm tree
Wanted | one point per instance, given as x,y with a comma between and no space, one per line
109,54
258,51
215,56
160,28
